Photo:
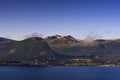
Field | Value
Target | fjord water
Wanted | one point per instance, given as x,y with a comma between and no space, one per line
59,73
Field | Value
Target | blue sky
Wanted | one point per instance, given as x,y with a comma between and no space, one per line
78,18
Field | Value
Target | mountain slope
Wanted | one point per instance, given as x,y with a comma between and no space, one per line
5,40
28,49
59,50
97,49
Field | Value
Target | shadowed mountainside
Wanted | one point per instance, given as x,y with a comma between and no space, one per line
5,40
101,49
59,50
28,49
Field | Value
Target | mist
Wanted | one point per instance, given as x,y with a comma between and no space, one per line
33,35
89,41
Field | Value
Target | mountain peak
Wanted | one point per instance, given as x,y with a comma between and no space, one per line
54,37
59,37
34,39
69,37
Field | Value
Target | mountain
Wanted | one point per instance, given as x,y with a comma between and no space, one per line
60,42
31,51
69,37
5,40
97,49
59,50
26,50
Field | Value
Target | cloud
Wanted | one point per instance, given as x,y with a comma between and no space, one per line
89,40
33,35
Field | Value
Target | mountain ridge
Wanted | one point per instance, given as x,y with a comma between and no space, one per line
57,50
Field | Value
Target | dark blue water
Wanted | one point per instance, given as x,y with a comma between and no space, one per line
59,73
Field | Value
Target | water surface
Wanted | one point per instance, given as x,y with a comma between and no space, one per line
59,73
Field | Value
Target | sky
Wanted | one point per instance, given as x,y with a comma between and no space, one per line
79,18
